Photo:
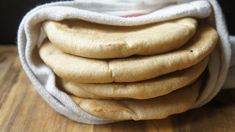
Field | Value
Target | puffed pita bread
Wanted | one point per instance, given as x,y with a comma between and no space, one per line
132,109
104,41
137,90
131,69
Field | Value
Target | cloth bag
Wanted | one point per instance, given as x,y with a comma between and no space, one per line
119,12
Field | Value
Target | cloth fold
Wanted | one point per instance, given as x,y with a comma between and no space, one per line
30,36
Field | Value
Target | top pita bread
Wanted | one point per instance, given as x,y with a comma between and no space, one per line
103,41
131,69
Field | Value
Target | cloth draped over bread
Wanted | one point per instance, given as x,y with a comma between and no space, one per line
126,13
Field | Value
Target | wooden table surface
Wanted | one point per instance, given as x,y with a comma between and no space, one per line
23,110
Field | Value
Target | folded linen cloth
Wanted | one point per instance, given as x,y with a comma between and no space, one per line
30,37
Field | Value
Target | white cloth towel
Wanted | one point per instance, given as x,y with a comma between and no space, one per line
30,36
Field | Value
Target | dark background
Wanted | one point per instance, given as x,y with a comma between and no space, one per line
12,11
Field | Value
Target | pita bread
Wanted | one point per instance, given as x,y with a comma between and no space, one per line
104,41
155,108
131,69
137,90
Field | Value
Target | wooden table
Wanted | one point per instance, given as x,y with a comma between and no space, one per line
23,110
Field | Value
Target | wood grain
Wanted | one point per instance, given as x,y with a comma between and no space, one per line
23,110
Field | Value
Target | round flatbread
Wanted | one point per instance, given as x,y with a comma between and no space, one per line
131,69
94,40
137,90
131,109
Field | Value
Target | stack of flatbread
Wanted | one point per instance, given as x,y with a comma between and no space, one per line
135,72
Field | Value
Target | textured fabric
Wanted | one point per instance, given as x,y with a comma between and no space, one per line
126,7
230,81
30,36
